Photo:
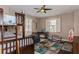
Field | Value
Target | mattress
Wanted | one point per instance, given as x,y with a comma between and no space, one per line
9,36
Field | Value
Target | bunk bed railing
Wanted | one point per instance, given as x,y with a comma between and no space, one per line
9,46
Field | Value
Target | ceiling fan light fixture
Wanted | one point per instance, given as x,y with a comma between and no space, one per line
42,11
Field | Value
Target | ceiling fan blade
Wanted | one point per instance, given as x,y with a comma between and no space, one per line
36,8
48,9
38,11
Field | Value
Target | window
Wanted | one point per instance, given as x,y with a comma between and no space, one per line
53,25
9,20
29,26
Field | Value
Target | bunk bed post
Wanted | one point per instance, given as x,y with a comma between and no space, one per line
23,26
1,18
22,19
17,47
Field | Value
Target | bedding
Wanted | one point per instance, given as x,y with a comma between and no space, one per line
9,36
49,50
67,47
41,50
47,47
52,45
42,36
64,39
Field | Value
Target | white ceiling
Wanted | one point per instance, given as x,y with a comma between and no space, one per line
57,9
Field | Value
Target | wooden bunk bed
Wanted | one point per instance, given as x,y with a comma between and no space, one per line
17,43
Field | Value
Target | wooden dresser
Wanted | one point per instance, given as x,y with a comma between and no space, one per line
76,45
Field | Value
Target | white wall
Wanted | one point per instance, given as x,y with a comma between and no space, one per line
76,23
67,23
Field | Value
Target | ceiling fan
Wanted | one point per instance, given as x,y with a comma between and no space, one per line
43,9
